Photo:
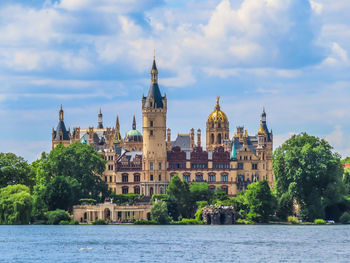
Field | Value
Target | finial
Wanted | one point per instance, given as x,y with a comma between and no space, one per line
154,54
60,115
217,107
61,107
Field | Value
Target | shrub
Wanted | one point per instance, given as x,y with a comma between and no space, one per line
201,204
244,222
157,197
199,214
74,222
293,220
124,199
186,221
56,216
345,218
319,222
99,222
145,222
64,222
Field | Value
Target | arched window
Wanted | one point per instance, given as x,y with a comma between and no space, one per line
211,178
225,189
136,177
125,178
212,138
212,188
151,191
125,190
137,190
161,190
219,138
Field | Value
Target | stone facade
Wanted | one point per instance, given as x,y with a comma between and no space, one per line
144,163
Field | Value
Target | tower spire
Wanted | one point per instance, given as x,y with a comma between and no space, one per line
100,119
117,127
134,123
154,70
61,118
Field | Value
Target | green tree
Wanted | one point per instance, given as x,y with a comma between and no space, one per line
14,170
284,206
200,192
180,191
62,193
159,212
259,201
346,180
306,168
15,204
81,162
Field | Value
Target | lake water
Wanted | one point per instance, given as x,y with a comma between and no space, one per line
237,243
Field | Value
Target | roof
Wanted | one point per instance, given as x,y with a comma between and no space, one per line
134,133
61,127
155,93
182,141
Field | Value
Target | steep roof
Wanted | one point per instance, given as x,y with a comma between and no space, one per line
157,97
61,127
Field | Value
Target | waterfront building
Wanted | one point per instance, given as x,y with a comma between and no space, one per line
144,163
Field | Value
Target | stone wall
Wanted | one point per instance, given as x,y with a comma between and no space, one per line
222,215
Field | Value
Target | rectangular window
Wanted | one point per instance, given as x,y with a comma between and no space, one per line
254,166
240,166
125,190
160,166
110,179
151,132
199,178
187,177
151,166
151,177
151,124
160,177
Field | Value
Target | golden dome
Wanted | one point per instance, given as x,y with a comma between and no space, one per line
217,115
261,130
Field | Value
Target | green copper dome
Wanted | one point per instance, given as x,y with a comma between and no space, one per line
134,133
83,140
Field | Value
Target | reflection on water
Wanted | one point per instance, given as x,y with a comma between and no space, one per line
237,243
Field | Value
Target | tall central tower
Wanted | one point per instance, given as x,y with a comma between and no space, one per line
154,156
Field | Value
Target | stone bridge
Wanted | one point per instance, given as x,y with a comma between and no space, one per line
222,215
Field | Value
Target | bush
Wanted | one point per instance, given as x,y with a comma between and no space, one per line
158,197
74,222
99,222
293,220
124,199
56,216
345,218
201,204
145,222
186,221
244,222
319,222
64,222
199,214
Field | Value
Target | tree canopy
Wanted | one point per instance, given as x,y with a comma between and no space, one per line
15,205
306,168
14,170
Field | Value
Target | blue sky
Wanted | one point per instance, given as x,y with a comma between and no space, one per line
290,56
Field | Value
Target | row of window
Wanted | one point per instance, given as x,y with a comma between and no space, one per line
177,165
125,189
221,165
151,167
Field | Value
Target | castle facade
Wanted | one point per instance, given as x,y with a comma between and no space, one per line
144,163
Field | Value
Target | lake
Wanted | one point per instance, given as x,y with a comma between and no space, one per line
236,243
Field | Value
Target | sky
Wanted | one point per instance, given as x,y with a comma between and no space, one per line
290,56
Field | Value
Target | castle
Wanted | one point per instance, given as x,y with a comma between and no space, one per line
144,163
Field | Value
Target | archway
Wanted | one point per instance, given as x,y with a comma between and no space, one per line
151,191
107,214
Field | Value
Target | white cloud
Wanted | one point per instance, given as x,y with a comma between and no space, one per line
336,137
